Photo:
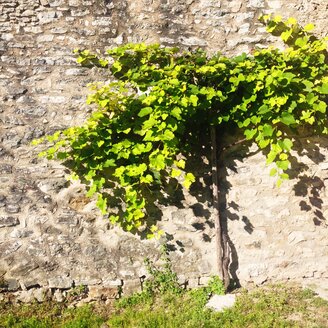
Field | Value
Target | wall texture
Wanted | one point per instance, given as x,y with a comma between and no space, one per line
53,238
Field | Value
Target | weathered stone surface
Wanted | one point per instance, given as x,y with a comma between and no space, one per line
9,285
30,283
58,296
219,303
32,112
12,208
8,221
5,169
70,221
41,294
60,282
22,233
97,293
8,247
23,268
25,296
131,286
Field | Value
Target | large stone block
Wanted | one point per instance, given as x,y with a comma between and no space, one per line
60,282
8,221
9,247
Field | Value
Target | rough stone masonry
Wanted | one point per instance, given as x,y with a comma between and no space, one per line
52,238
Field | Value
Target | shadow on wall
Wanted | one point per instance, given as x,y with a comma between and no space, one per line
229,210
198,199
308,187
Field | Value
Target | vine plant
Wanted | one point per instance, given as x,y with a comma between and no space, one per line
162,97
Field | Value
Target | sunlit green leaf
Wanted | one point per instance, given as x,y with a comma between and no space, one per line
324,89
283,164
145,111
194,100
189,179
267,130
308,27
175,173
287,118
250,133
320,107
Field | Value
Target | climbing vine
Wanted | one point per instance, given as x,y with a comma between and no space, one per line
162,97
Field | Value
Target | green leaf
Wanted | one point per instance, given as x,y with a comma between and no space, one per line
288,75
246,122
308,84
284,176
271,156
175,173
62,155
102,204
147,179
291,21
180,163
283,164
148,124
145,111
89,176
149,100
157,162
320,107
176,112
255,119
323,89
100,143
140,148
189,179
279,182
174,82
126,131
283,156
273,172
114,218
109,163
103,103
287,144
194,100
134,170
117,66
168,135
264,109
138,214
92,190
184,102
287,118
267,130
286,35
264,143
301,42
308,27
249,134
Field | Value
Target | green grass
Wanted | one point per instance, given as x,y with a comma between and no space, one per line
269,306
274,306
48,315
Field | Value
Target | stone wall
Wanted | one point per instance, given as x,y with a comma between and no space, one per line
51,236
278,234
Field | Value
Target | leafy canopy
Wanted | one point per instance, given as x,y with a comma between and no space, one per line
162,96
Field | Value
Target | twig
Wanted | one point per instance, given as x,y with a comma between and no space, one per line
216,212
